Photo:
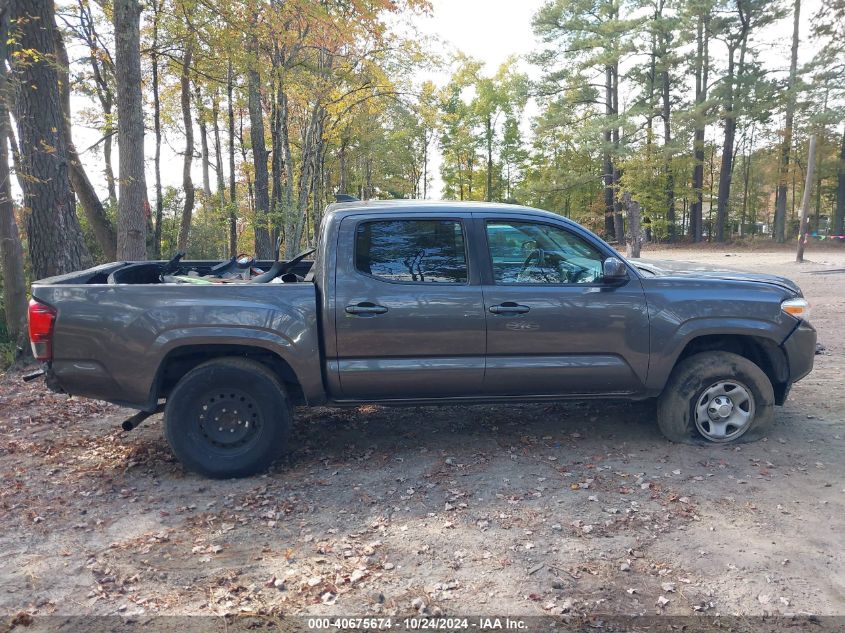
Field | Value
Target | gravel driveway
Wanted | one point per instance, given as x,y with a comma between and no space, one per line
512,510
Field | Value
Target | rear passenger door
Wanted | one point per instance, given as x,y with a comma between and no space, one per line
409,315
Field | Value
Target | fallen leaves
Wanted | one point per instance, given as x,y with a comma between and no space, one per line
483,523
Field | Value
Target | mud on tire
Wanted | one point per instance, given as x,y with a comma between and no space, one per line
690,390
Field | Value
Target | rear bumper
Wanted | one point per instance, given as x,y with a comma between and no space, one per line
800,349
50,378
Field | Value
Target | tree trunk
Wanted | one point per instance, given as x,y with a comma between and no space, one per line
779,229
100,64
618,220
277,205
202,120
607,158
313,132
488,131
287,157
650,86
726,171
342,175
839,213
702,65
318,189
470,165
250,199
132,207
425,166
712,170
56,245
735,77
108,169
11,251
667,141
157,126
725,175
805,201
746,180
632,207
263,243
794,189
82,187
218,150
233,185
187,182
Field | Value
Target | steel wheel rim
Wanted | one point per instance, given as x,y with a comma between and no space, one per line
229,420
724,411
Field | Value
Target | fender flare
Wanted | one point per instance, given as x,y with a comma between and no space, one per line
661,366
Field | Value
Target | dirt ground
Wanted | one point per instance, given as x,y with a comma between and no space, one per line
511,510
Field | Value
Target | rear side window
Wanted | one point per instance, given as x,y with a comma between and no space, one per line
428,251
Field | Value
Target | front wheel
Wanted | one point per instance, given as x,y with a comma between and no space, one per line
228,417
716,397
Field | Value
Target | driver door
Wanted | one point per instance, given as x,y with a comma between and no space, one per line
553,326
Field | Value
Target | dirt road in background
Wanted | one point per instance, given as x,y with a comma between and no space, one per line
518,510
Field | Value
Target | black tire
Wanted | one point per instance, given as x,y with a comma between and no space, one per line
689,385
228,417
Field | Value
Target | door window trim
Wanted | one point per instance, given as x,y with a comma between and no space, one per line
486,220
461,221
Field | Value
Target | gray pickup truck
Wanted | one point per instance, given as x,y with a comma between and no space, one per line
418,303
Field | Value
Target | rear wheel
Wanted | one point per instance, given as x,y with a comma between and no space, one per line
228,417
716,397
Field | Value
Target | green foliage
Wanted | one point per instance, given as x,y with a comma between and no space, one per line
649,46
7,345
480,140
354,123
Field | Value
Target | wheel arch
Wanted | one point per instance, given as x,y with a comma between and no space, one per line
182,359
763,352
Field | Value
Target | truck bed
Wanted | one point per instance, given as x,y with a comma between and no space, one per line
148,272
112,339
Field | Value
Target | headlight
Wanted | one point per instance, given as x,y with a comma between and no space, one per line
799,308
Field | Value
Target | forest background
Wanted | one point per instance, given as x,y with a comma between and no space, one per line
132,130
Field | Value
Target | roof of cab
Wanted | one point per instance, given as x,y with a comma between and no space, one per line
404,205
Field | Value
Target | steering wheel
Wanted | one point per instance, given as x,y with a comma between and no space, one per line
537,254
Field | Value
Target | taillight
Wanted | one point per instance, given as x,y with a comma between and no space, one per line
41,320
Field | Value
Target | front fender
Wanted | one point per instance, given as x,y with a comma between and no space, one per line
665,355
682,309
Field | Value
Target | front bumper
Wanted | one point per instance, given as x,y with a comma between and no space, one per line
800,349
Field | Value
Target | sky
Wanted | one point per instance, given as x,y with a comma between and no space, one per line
493,30
489,30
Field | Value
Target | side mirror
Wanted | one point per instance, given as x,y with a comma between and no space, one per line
614,270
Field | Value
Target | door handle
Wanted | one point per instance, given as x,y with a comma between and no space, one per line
509,307
365,307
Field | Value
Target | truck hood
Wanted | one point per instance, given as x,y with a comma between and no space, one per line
666,268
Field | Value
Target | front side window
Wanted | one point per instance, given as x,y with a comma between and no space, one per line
530,253
430,251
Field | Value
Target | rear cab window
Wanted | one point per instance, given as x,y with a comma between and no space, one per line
412,251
